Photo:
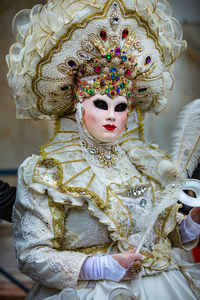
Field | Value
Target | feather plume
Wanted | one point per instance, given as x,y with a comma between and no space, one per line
186,139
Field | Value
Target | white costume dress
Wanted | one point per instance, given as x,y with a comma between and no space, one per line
69,206
81,197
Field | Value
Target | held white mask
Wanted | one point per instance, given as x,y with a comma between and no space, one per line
193,185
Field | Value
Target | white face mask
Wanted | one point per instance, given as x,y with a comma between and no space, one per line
193,185
105,118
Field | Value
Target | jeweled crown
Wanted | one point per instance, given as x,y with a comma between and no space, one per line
123,46
113,74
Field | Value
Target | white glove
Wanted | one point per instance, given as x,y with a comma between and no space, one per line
116,267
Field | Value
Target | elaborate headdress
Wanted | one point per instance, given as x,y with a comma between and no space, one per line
70,49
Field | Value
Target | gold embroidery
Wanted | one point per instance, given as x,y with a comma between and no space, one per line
50,167
117,211
68,131
65,141
128,139
56,129
68,151
141,124
92,250
72,161
58,214
76,175
130,131
66,146
91,180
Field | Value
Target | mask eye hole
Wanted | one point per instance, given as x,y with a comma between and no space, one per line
101,104
121,107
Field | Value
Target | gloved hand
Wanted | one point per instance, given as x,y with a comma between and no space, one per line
118,267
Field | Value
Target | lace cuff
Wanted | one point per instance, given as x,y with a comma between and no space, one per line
189,230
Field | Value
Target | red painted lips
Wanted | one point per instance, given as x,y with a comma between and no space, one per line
109,126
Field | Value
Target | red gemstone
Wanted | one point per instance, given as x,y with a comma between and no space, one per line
125,33
97,69
128,72
103,35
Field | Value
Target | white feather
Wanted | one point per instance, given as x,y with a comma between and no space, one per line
186,139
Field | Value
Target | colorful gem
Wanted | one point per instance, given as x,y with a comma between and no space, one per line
125,33
124,58
142,90
108,56
113,76
113,70
71,63
97,69
115,20
143,202
103,35
122,85
128,72
117,51
148,60
91,92
93,151
108,156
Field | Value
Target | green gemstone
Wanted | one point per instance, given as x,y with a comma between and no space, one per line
90,92
108,56
107,91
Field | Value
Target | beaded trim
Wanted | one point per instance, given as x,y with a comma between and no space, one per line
138,191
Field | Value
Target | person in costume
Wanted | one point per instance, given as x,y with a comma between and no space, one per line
7,200
96,214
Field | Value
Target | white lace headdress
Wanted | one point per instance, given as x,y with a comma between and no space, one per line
54,41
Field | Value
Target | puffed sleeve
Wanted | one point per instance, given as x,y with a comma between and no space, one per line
34,232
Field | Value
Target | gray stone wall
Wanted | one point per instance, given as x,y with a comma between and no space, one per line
159,128
18,138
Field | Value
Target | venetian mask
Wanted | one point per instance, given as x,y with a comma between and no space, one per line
105,118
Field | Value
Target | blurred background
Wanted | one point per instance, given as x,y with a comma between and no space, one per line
20,138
